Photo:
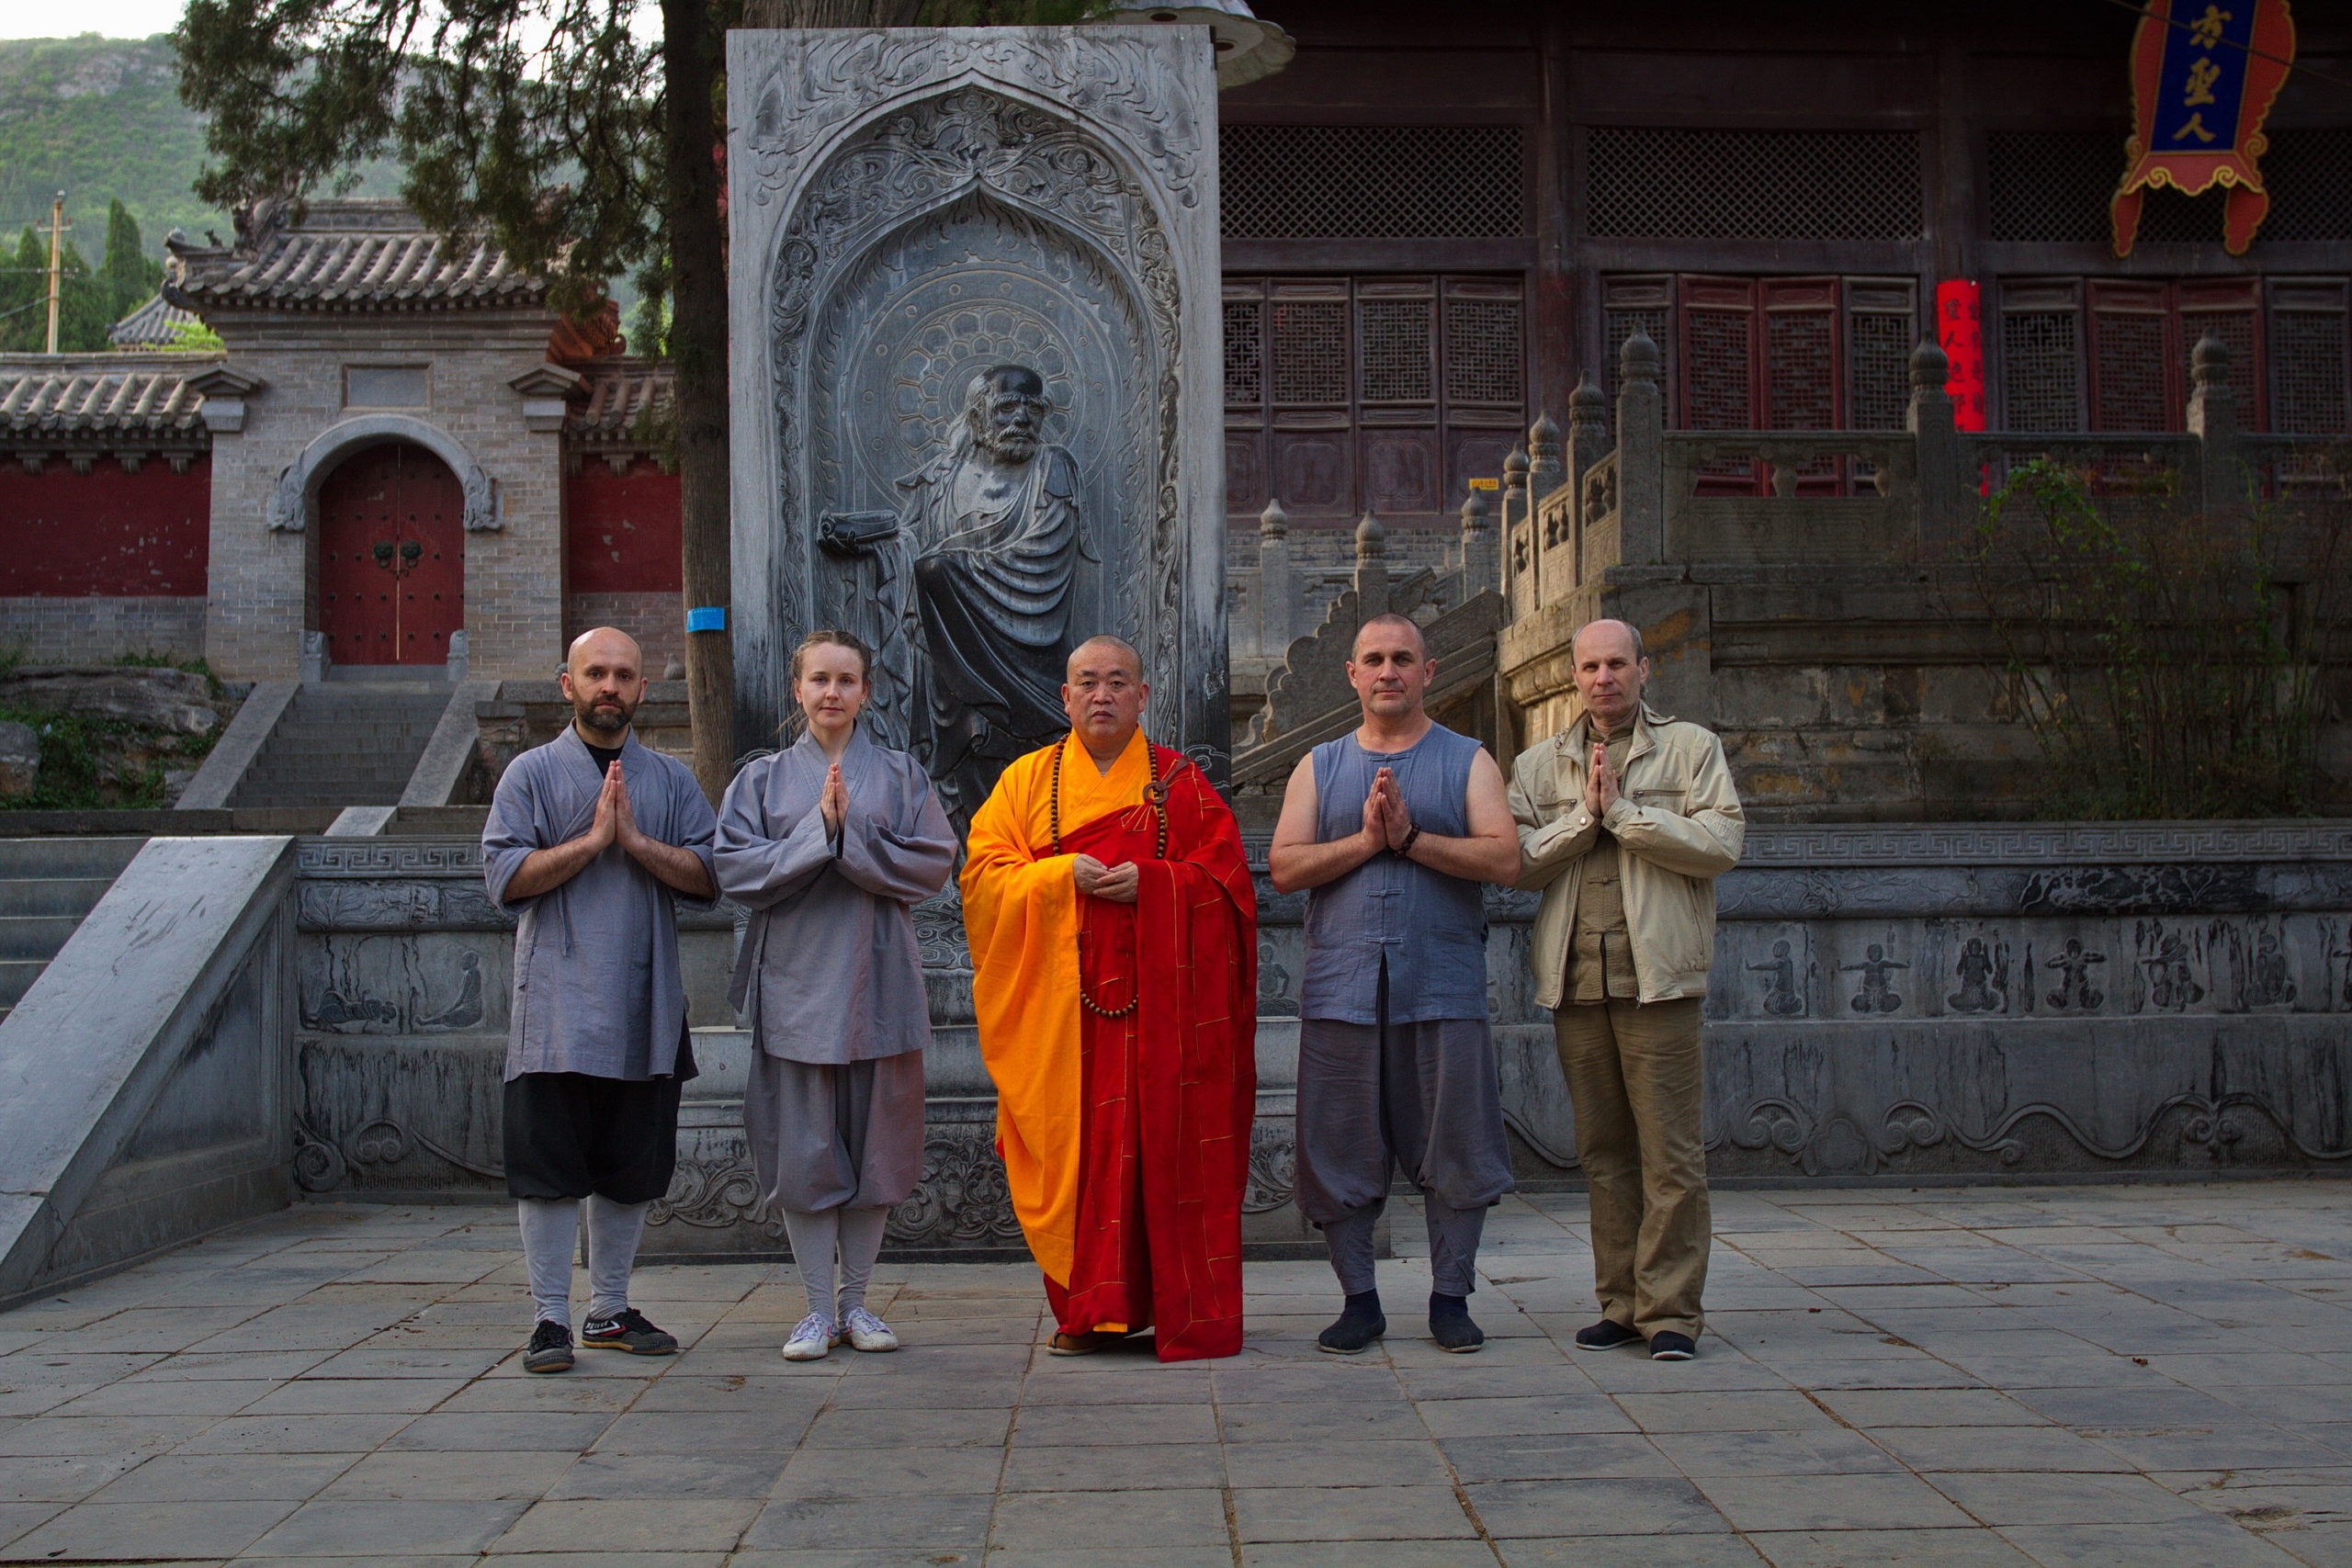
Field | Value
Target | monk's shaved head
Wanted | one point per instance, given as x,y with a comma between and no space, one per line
604,678
1095,650
604,645
1384,628
1611,633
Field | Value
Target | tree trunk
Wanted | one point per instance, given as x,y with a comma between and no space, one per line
698,348
832,13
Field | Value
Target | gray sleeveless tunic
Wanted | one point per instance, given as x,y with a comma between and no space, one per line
1427,929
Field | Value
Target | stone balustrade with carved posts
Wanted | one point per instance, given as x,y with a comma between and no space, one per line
1796,589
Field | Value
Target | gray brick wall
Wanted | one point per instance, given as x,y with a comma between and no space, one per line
99,631
658,621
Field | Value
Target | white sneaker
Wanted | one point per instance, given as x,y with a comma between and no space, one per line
811,1337
867,1332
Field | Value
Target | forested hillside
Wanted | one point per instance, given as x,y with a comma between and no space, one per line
100,119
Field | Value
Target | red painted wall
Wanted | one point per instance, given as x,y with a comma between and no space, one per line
622,529
110,533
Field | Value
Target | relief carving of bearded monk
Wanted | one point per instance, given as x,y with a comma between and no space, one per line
992,527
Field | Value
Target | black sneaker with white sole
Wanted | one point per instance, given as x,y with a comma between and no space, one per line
629,1331
1668,1346
550,1350
1606,1335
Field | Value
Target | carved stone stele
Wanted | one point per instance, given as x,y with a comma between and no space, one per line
910,207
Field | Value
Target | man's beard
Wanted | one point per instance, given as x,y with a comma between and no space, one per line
611,719
1013,445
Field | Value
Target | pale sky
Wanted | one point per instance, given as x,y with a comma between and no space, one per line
112,19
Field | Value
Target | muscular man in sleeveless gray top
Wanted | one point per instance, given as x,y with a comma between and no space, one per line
1393,828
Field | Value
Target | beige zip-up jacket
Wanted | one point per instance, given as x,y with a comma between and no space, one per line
1679,826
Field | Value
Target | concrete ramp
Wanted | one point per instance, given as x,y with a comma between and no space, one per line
144,1076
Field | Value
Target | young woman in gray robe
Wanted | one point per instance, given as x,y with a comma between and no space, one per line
829,842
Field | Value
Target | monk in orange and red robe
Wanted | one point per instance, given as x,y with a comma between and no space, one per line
1114,971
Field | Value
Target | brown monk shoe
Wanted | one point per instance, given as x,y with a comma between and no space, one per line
1082,1343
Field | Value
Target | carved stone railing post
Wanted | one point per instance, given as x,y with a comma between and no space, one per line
1518,536
1372,568
1942,498
1277,588
1641,453
1480,569
1546,472
2214,420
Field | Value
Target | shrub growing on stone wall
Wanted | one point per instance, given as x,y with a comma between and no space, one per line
2170,662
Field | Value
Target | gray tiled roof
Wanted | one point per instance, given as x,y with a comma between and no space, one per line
347,256
155,324
620,392
113,395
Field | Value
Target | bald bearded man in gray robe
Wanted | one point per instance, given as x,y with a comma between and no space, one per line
592,840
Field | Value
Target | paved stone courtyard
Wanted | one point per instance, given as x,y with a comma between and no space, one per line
2089,1375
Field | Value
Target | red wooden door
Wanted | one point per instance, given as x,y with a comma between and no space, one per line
392,558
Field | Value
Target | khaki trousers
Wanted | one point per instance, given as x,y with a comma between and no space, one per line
1634,1074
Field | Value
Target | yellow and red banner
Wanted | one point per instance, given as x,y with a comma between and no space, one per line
2203,75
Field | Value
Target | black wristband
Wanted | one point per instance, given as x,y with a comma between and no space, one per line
1405,849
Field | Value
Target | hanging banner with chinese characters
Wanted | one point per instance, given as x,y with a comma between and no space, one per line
2203,74
1959,333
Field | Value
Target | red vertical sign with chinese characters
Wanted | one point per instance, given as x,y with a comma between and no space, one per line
1959,333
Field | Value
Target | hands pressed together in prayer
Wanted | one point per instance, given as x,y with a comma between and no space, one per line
1387,823
616,820
1600,788
833,804
1117,882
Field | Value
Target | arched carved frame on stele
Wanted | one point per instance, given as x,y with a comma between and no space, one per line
811,248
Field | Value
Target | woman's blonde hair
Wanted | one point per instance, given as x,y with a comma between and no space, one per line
834,636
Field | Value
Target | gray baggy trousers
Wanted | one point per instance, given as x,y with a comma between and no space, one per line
1424,1098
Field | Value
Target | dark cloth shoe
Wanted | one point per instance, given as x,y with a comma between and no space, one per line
628,1331
1606,1335
1668,1346
550,1350
1451,1326
1359,1324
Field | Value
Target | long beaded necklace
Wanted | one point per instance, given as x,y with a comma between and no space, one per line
1154,794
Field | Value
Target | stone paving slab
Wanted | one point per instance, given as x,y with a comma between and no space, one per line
2134,1376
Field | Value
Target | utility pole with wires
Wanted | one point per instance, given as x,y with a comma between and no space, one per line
56,261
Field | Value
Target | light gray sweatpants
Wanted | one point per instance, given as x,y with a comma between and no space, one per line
551,1230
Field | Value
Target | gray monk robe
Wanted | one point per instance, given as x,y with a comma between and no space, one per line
829,980
597,987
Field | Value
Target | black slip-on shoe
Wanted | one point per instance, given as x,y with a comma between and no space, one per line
1351,1334
1451,1326
1668,1346
627,1331
1606,1335
550,1350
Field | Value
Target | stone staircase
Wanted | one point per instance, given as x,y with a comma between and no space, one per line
46,886
343,743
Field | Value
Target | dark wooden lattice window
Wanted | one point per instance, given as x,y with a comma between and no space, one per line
2114,354
2130,389
2042,355
2054,186
2310,358
1371,182
1245,365
1396,351
1770,353
1881,328
1381,392
1657,183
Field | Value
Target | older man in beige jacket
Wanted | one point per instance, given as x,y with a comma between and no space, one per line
1625,822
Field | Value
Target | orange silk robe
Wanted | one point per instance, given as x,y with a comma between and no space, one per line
1125,1139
